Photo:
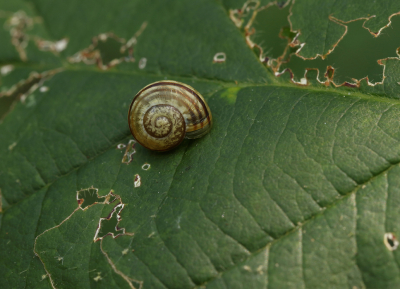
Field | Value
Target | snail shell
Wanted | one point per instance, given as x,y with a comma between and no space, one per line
165,112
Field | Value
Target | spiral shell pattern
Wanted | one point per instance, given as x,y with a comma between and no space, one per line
165,112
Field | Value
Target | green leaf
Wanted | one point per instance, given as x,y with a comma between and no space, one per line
294,186
322,24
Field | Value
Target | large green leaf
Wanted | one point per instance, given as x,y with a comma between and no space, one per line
294,187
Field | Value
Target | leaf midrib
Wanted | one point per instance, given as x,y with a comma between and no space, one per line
227,84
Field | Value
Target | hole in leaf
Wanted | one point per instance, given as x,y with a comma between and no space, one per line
137,181
268,25
106,50
109,225
146,167
129,151
88,197
110,49
18,92
355,57
390,241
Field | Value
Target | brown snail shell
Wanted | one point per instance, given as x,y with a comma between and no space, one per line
165,112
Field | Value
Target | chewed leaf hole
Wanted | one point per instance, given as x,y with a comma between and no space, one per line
219,57
108,50
60,250
109,225
390,241
111,47
129,151
21,26
356,55
21,90
88,197
137,181
146,167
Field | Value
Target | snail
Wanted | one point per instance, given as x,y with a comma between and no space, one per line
165,112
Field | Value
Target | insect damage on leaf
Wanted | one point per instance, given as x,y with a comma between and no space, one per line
146,167
390,241
26,87
90,196
108,50
360,61
19,24
137,181
87,198
219,57
142,63
53,46
246,15
6,69
114,217
285,60
129,151
295,43
333,22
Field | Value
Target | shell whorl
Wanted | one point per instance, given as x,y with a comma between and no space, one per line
165,112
